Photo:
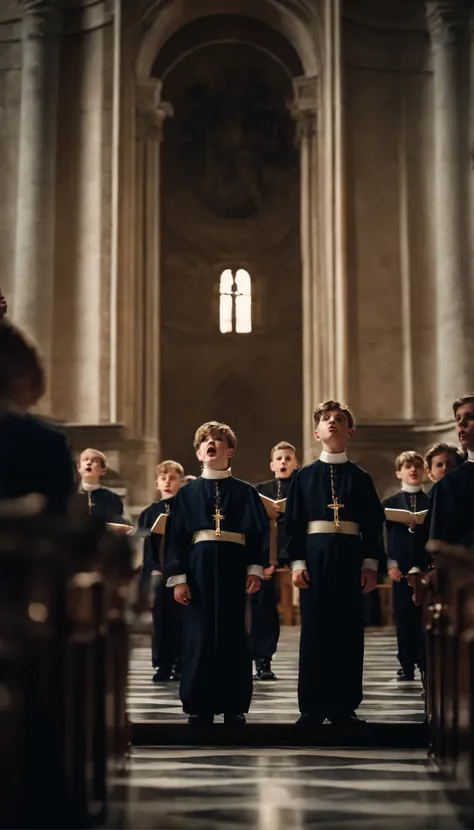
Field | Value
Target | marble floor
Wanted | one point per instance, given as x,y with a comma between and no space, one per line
227,788
273,789
384,698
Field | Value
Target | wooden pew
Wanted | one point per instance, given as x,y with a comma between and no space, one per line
449,616
63,669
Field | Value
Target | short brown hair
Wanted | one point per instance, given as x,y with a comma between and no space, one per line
439,448
100,455
408,456
169,467
328,406
188,479
282,445
19,360
217,428
462,400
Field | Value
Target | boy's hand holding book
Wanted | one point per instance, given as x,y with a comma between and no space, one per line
268,572
395,574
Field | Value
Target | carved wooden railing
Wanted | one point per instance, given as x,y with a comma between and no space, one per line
449,619
63,671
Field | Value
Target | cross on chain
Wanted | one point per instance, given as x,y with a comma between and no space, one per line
217,516
336,507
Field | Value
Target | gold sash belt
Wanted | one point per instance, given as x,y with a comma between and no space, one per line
225,536
347,528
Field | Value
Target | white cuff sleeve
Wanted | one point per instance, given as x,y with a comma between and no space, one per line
392,563
298,565
255,570
180,579
414,571
370,564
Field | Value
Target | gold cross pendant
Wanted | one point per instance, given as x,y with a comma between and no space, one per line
336,507
218,517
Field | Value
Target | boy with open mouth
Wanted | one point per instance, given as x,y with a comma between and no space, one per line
213,558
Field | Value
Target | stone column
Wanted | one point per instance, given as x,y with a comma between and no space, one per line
151,114
305,111
448,22
34,254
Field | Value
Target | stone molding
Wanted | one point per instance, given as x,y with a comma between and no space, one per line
151,111
84,16
448,20
305,106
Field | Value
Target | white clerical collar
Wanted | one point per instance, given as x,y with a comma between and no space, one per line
166,496
470,455
411,488
209,473
333,457
89,488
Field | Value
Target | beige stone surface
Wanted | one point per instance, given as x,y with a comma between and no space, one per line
368,294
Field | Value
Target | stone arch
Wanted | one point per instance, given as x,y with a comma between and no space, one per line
162,21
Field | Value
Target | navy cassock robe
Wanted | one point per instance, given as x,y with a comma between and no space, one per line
452,510
332,615
216,672
265,624
405,550
104,505
166,638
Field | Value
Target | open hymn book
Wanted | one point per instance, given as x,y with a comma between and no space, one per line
273,508
404,517
119,529
160,524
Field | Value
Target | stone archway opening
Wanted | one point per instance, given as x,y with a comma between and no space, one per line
230,201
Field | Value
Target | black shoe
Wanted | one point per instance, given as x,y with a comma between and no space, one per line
234,720
400,672
342,719
161,676
201,720
406,675
309,719
264,671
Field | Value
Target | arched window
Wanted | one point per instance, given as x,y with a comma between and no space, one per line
226,301
235,302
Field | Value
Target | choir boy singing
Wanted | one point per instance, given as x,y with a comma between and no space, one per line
213,557
440,459
405,546
335,521
103,504
166,638
265,624
452,512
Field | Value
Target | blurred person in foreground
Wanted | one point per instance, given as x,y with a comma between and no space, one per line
35,455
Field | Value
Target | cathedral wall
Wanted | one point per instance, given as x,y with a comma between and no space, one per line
390,181
10,99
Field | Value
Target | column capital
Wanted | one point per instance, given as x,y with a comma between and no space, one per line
447,21
151,111
305,105
41,16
